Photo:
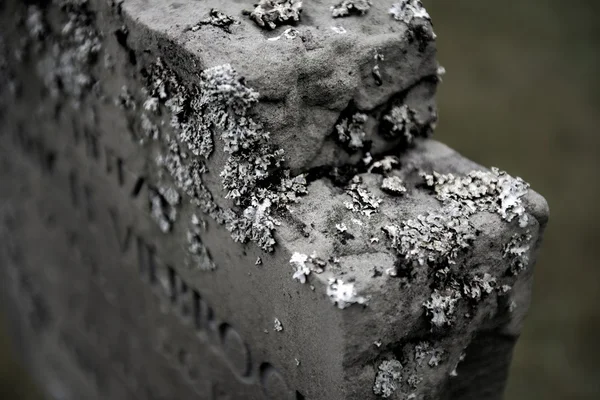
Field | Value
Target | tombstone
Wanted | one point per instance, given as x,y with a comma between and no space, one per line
203,202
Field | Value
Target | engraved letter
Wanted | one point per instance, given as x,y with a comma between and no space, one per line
236,351
273,384
123,238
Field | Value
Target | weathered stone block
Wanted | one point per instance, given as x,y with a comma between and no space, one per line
197,207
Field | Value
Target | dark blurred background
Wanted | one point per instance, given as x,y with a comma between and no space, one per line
522,93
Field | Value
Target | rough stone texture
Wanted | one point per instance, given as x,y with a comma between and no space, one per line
141,144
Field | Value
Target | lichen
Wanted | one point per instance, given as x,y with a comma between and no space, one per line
350,131
407,10
218,19
402,123
163,206
125,99
434,238
388,378
414,380
252,177
271,13
517,251
151,104
185,174
343,294
36,23
349,7
150,130
277,325
363,201
66,67
255,224
393,185
441,306
493,191
194,110
341,227
305,264
386,164
198,257
425,352
479,286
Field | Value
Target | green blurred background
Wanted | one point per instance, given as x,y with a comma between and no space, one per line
522,93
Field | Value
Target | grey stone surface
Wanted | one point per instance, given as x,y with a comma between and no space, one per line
183,215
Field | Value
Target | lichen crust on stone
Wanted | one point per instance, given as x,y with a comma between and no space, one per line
349,7
271,13
252,176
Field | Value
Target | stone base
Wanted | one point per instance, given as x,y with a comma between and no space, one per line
131,270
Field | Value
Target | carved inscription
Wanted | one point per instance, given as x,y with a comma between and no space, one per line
191,308
36,148
183,300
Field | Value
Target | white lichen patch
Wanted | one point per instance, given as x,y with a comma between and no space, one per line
277,325
341,227
252,177
414,380
388,378
441,306
305,264
125,99
223,103
186,174
425,352
271,13
393,185
407,10
66,67
479,286
151,104
218,19
493,191
435,238
517,251
256,224
349,7
505,289
350,131
343,294
299,261
441,72
150,130
35,23
363,201
386,164
402,123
